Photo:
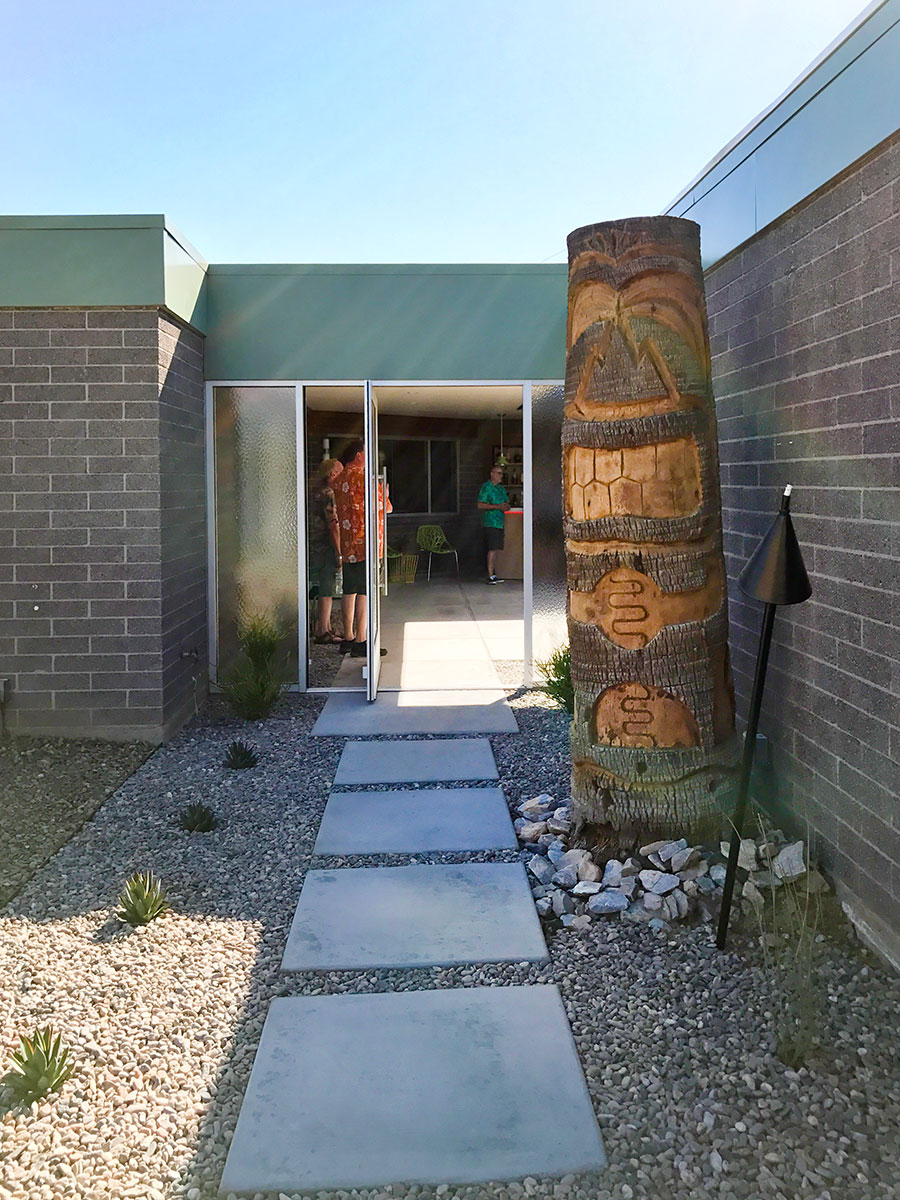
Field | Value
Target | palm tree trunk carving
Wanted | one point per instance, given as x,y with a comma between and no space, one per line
653,741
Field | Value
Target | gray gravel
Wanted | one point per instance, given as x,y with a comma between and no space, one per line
49,788
164,1022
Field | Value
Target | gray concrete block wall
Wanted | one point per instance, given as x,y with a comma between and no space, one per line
82,566
805,337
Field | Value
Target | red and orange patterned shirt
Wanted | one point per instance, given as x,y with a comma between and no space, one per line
350,497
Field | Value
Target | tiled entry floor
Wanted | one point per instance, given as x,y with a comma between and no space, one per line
427,1087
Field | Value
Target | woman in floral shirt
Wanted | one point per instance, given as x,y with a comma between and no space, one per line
350,497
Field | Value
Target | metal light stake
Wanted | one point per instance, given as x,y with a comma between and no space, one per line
776,575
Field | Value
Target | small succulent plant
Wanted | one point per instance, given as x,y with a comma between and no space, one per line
142,899
240,756
197,818
41,1065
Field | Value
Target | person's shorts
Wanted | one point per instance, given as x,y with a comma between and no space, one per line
354,578
325,577
493,538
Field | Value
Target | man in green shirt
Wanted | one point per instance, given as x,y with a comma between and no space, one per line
493,501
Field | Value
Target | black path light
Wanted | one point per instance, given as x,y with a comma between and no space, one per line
776,575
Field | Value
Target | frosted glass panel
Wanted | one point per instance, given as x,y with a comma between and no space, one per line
549,619
256,513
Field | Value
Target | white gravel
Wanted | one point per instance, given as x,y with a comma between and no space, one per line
164,1022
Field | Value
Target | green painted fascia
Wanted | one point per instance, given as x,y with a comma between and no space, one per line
99,261
386,321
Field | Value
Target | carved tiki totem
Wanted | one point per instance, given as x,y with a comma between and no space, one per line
653,742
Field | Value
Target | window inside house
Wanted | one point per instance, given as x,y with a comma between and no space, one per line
422,474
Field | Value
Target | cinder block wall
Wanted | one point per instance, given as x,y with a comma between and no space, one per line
102,521
805,335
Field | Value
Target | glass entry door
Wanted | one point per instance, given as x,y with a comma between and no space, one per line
374,543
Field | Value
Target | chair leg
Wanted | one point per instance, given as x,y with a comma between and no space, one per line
456,557
429,567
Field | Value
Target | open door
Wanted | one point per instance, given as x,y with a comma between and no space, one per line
374,548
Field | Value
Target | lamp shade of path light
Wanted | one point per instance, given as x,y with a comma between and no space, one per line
775,575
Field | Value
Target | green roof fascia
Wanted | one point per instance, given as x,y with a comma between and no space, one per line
98,262
386,321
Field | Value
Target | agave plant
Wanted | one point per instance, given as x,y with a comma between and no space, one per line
197,818
41,1064
240,756
142,899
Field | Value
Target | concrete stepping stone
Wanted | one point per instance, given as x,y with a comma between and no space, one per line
440,1086
441,712
436,761
406,822
418,916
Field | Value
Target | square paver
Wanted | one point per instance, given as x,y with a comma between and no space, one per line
419,916
436,761
439,1086
406,822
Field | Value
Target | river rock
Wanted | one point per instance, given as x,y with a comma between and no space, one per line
659,882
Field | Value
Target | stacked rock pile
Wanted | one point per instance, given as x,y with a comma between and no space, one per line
665,881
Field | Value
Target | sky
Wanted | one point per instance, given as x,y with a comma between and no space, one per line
385,130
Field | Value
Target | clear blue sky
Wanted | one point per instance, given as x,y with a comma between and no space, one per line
385,130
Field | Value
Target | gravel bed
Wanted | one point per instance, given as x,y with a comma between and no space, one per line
164,1022
50,787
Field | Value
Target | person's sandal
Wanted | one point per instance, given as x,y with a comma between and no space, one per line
327,639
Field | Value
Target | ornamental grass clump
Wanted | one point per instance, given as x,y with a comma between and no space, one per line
40,1066
197,818
240,757
255,684
557,672
142,899
790,922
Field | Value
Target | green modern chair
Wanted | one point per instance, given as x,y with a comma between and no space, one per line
432,540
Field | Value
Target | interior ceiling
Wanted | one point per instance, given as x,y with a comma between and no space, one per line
433,400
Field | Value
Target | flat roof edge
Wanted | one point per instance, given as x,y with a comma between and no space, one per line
386,268
831,49
86,221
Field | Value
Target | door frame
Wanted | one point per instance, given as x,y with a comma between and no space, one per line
302,598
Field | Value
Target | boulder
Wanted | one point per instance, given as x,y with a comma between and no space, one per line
609,901
631,866
537,806
682,904
567,919
612,873
540,868
706,885
581,922
652,902
574,858
531,831
814,883
585,888
544,906
717,873
556,850
694,872
789,863
670,906
629,885
658,925
652,848
751,894
562,902
558,825
746,855
670,849
659,882
766,880
566,877
681,860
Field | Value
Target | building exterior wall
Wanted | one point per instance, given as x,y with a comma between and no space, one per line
804,323
94,405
